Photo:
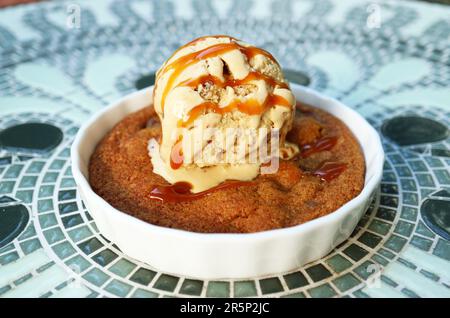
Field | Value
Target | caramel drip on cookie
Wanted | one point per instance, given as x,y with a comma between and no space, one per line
180,64
330,170
322,144
181,191
248,106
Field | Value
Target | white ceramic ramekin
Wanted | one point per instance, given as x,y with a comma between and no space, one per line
214,256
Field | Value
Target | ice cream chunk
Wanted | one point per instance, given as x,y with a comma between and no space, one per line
220,101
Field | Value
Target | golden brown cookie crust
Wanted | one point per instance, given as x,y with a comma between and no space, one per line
120,171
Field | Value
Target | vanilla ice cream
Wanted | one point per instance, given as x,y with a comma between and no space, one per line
211,96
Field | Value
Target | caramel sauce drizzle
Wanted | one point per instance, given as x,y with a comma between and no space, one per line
176,154
330,170
179,65
181,191
249,106
322,144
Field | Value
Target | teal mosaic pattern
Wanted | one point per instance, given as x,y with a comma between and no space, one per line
394,75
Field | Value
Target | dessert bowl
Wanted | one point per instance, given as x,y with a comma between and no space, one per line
220,255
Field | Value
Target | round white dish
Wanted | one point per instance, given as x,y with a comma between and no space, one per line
217,256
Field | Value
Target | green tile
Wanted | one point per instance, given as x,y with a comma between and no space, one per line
68,171
141,293
245,288
379,227
388,281
64,195
360,294
118,288
29,232
389,201
429,275
370,239
409,213
80,233
122,267
191,287
395,243
57,164
72,220
380,260
8,258
68,183
406,263
6,187
35,167
51,177
96,277
27,182
389,177
422,243
408,184
418,166
434,162
143,276
442,249
294,295
218,289
338,263
78,264
13,171
46,191
389,188
443,176
425,192
396,159
425,180
404,228
346,282
386,253
23,279
410,198
45,267
67,207
365,270
63,250
54,235
25,196
45,205
7,248
409,293
295,280
166,282
355,252
47,220
403,171
422,229
318,272
94,227
30,246
104,257
322,291
270,285
386,214
4,289
64,153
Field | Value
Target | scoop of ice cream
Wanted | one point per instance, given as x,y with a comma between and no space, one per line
220,101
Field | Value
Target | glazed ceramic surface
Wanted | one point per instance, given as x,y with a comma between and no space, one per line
213,256
395,73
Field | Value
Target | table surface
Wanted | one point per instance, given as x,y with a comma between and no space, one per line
53,77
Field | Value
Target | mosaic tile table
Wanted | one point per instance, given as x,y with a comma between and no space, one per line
53,78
